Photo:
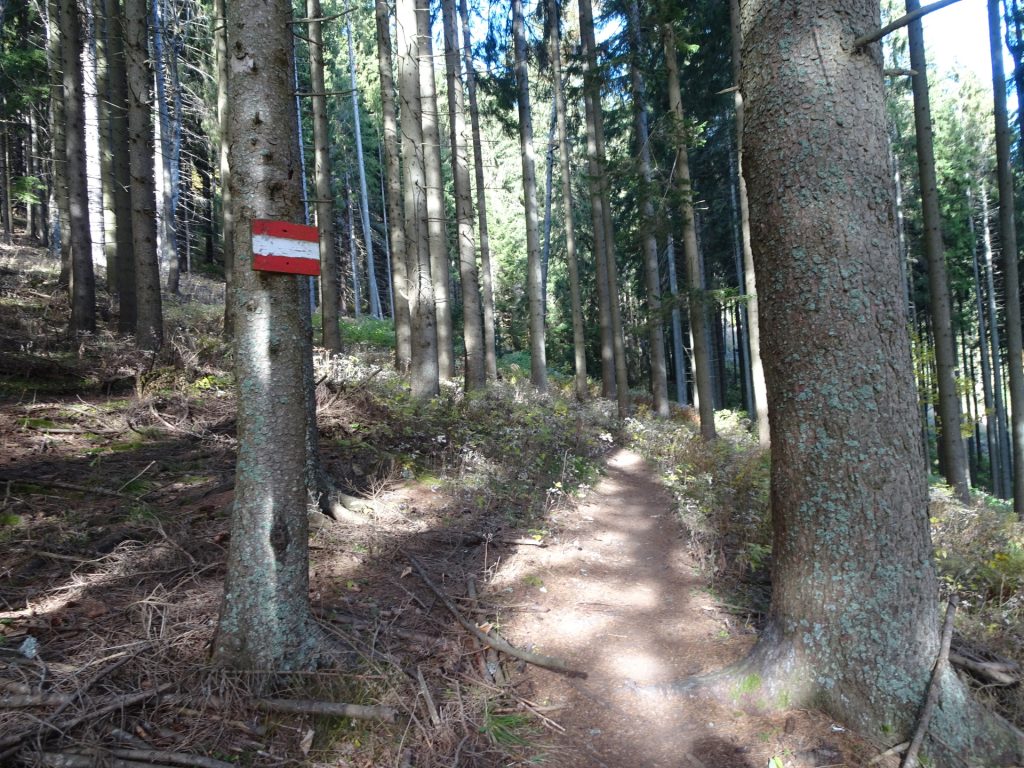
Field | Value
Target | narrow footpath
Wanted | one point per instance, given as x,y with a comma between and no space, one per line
627,605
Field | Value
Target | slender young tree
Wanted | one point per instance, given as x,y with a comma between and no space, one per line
578,337
392,173
753,325
538,359
325,216
227,225
486,274
83,281
655,327
853,624
437,238
1008,232
698,309
472,326
954,461
265,621
424,373
364,199
149,328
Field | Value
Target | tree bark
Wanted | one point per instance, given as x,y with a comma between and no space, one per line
538,359
472,324
437,238
655,326
1008,233
329,282
950,440
5,188
579,341
698,311
424,373
853,624
149,332
392,171
265,621
60,241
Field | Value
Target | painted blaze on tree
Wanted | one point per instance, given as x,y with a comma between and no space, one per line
853,625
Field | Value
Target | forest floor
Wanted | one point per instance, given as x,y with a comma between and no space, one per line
523,515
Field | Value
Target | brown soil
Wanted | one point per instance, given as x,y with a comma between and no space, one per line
624,602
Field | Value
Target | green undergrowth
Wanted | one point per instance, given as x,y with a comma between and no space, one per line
506,448
722,495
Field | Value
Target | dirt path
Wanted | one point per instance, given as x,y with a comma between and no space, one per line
627,605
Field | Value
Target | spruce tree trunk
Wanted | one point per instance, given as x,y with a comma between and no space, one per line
120,168
5,189
167,241
592,106
704,394
853,624
951,446
472,328
59,240
579,341
487,278
549,170
265,623
437,237
83,282
353,256
364,201
535,308
149,329
655,327
227,226
104,105
677,324
392,172
991,415
1008,233
329,282
423,368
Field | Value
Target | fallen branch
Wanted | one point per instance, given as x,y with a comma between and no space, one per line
495,641
16,701
75,760
910,758
328,708
890,752
993,672
65,486
170,758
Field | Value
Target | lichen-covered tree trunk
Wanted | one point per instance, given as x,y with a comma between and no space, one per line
579,340
698,309
437,238
149,328
83,283
951,447
753,326
392,172
265,620
853,625
329,282
487,279
472,329
538,359
1008,231
655,327
423,368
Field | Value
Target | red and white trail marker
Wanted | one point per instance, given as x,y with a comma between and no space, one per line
280,246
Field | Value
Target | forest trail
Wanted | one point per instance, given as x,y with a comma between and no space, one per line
627,605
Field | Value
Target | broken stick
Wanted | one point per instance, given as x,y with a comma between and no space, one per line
495,641
932,698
